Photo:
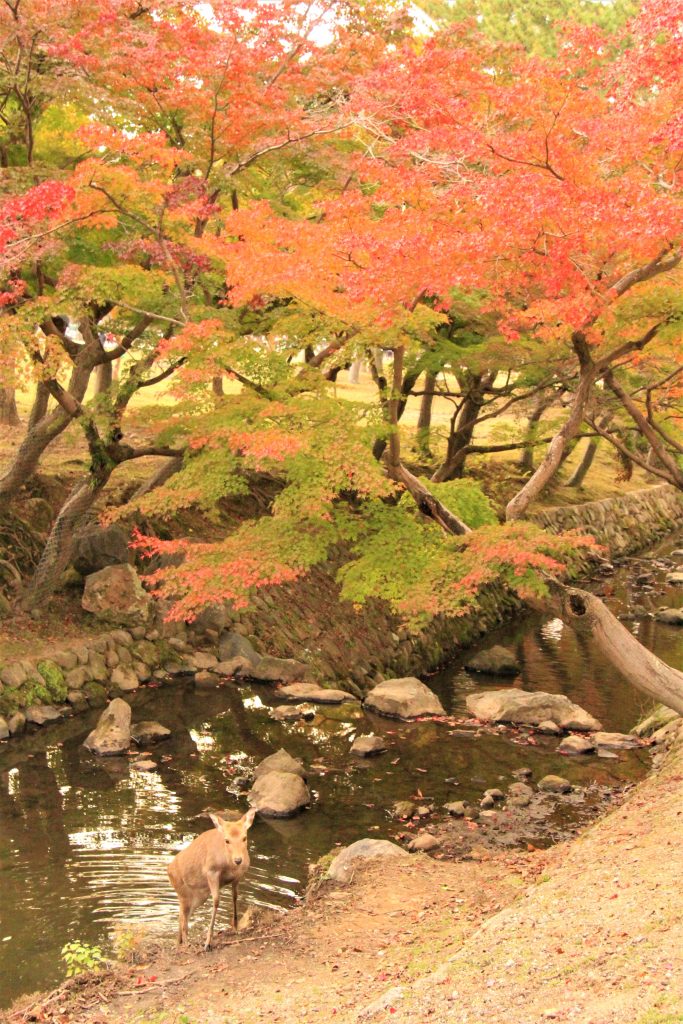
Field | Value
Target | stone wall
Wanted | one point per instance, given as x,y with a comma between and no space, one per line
307,621
622,524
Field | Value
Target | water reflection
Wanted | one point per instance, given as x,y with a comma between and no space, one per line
84,842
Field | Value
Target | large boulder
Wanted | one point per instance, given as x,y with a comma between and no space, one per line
404,698
280,761
234,645
279,794
116,595
97,547
112,734
497,661
352,858
524,708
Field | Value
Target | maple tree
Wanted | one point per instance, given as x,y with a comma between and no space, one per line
247,201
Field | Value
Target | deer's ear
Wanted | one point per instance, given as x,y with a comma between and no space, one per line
248,819
218,822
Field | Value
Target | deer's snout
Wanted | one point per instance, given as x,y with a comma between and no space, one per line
238,860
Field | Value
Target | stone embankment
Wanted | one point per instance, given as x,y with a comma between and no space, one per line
305,624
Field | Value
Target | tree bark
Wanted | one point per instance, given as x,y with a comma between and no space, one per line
104,375
553,457
169,468
526,459
640,667
453,465
57,551
217,386
9,415
424,420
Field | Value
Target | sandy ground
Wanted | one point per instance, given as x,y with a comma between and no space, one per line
590,932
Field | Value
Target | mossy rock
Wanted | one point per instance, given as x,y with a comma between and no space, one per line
35,691
9,702
54,681
96,694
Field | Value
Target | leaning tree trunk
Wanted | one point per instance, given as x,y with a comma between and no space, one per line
553,457
9,416
581,472
640,667
104,375
57,550
168,469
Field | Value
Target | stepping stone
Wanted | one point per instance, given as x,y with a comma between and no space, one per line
313,694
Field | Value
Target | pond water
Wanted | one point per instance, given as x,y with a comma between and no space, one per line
84,841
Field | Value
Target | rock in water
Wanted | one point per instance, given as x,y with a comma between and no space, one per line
350,859
554,784
671,616
144,733
116,595
615,740
576,745
314,694
111,735
292,712
279,794
41,714
675,578
524,708
280,761
366,746
404,698
497,661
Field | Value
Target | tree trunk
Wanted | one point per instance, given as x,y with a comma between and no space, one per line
104,375
43,429
217,386
57,551
169,468
526,459
9,416
581,471
453,466
424,420
354,372
553,456
640,667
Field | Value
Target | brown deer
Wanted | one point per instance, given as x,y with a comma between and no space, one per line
213,859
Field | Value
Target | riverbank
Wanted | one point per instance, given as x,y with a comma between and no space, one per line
306,621
590,931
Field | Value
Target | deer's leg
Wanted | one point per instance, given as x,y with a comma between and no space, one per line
183,922
215,890
234,905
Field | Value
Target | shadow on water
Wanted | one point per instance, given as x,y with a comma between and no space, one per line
84,841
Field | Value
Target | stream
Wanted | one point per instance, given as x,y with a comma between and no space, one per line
84,842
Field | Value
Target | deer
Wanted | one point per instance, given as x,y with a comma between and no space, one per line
212,859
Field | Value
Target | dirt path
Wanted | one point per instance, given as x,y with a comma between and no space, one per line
591,932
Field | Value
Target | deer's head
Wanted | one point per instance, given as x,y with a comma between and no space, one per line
235,837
